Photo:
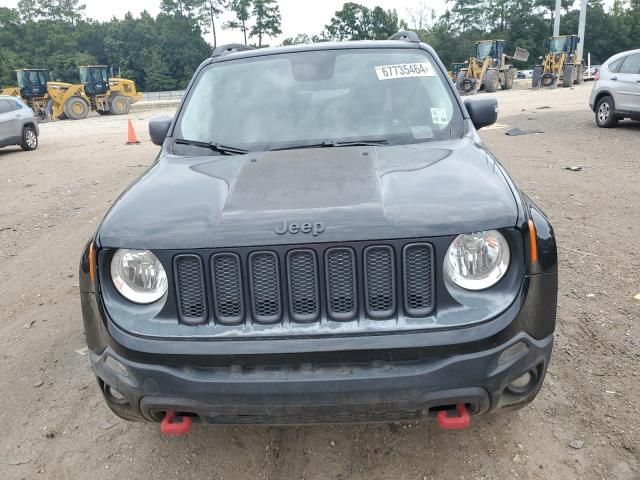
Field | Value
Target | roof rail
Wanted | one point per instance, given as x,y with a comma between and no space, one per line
406,36
229,48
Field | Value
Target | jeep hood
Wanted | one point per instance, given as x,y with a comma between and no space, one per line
358,193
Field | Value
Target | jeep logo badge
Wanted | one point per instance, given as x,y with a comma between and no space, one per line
315,228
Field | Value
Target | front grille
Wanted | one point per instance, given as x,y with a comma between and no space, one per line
357,281
380,281
418,279
341,283
303,285
265,287
227,288
190,282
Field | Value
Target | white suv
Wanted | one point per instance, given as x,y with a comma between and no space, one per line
616,91
18,124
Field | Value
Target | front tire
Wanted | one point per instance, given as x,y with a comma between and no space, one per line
76,108
580,75
568,75
509,77
536,76
605,113
119,105
464,84
29,139
491,80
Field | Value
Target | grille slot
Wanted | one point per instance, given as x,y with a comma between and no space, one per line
190,289
304,302
227,288
418,279
341,283
264,275
379,279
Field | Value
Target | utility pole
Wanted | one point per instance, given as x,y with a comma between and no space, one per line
556,21
582,27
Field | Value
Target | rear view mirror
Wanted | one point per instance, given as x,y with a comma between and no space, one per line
483,111
159,128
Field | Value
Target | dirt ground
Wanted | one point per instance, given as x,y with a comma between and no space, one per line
584,424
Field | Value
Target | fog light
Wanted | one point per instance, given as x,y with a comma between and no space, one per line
116,394
514,351
115,365
521,382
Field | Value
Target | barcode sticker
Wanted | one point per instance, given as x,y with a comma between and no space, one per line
439,116
405,70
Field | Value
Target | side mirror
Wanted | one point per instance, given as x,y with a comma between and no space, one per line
483,111
159,128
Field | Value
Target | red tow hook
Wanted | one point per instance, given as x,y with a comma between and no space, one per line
462,421
170,428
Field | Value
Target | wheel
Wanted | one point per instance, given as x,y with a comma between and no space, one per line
580,75
119,105
509,76
76,108
548,80
536,75
29,139
605,116
491,80
464,84
568,75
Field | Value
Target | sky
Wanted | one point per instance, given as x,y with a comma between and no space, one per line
298,16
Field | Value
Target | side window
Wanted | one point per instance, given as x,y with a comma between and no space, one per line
615,66
15,105
5,107
631,64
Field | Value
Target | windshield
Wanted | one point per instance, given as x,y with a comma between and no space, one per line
31,78
558,45
485,49
306,98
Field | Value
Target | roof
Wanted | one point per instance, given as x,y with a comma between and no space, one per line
360,44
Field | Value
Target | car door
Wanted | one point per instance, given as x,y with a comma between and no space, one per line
627,82
7,120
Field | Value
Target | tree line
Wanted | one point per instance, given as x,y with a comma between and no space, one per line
161,52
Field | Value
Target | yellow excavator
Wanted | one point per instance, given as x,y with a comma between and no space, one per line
48,99
98,91
561,64
105,93
490,68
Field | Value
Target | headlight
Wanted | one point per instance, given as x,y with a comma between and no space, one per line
476,261
138,275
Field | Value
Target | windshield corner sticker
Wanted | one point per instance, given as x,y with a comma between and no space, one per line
439,116
405,70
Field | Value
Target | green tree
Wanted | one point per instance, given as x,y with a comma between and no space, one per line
352,22
69,11
241,9
267,20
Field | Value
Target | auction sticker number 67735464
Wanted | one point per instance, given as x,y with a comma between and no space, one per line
404,70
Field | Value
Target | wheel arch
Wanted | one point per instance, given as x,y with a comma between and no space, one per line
600,96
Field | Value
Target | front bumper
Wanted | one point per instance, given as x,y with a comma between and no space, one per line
308,393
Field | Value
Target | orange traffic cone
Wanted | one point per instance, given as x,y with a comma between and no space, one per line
132,139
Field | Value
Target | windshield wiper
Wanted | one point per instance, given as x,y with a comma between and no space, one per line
216,147
331,144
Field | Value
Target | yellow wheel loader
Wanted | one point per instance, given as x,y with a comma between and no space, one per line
561,64
108,94
55,100
490,68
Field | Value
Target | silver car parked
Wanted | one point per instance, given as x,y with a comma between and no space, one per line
18,124
616,91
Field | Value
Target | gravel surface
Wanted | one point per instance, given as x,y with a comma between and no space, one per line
584,424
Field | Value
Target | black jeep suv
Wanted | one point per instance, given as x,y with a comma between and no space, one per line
322,238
